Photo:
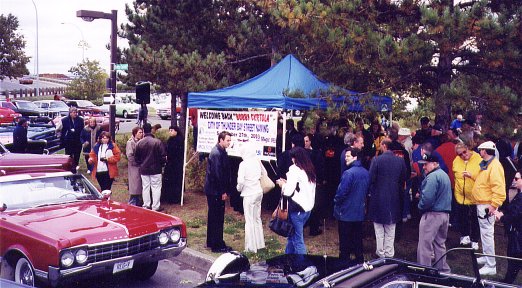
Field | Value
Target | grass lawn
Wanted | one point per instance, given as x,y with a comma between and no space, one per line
194,213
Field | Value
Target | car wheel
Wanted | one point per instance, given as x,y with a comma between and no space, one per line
125,114
24,272
144,271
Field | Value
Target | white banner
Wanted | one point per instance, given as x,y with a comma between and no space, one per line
258,128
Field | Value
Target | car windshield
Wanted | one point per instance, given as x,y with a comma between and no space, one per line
27,193
85,103
27,105
8,105
60,104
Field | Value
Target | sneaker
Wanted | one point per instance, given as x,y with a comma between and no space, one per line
488,270
474,245
481,260
88,171
465,240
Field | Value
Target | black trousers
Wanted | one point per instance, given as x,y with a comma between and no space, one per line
512,270
74,152
468,221
215,222
350,240
104,180
318,213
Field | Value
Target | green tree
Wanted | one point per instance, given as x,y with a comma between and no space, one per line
12,56
89,81
185,46
464,55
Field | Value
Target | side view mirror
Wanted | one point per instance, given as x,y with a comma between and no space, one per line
106,194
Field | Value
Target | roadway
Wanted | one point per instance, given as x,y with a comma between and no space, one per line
13,84
126,125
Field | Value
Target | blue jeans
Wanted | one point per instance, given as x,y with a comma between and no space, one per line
296,243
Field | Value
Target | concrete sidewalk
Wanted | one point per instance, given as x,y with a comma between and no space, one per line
196,258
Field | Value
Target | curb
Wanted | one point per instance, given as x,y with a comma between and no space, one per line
196,258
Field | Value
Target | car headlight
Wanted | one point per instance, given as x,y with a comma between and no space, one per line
67,259
163,238
81,256
174,235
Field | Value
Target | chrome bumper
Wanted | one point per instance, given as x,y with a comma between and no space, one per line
57,276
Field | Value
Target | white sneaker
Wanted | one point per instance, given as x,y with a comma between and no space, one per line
475,245
481,260
88,171
488,270
465,240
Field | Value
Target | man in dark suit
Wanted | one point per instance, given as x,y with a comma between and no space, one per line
72,127
217,188
387,180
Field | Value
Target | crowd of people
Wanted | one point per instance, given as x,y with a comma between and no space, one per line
354,174
457,178
154,168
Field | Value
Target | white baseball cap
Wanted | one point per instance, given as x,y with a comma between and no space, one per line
404,132
488,145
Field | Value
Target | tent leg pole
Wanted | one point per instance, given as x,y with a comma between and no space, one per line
185,156
284,131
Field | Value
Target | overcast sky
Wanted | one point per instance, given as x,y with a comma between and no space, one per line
58,43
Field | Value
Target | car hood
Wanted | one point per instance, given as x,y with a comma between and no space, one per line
91,222
18,163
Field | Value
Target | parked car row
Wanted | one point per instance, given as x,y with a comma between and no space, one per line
29,110
56,228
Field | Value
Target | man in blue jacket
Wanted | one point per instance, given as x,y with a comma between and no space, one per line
349,205
435,206
20,137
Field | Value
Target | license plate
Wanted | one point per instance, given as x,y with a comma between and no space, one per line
121,266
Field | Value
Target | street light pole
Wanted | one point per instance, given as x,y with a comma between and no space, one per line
89,16
83,43
37,58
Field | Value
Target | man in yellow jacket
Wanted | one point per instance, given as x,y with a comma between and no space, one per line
466,161
489,191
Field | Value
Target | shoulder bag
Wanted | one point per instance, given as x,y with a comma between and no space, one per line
266,183
280,224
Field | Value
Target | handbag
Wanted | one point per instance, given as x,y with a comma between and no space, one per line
281,212
279,223
281,227
266,183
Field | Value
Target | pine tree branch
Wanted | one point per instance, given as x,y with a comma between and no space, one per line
249,58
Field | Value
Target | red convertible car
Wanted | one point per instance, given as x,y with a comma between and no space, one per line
56,229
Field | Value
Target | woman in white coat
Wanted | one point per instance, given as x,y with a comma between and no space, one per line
248,185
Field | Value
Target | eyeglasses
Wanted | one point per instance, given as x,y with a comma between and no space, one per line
462,153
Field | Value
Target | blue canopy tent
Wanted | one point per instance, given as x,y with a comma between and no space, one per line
270,89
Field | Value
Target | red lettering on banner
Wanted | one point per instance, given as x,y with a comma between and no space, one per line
244,117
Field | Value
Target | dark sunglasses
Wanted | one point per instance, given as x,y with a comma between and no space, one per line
462,153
